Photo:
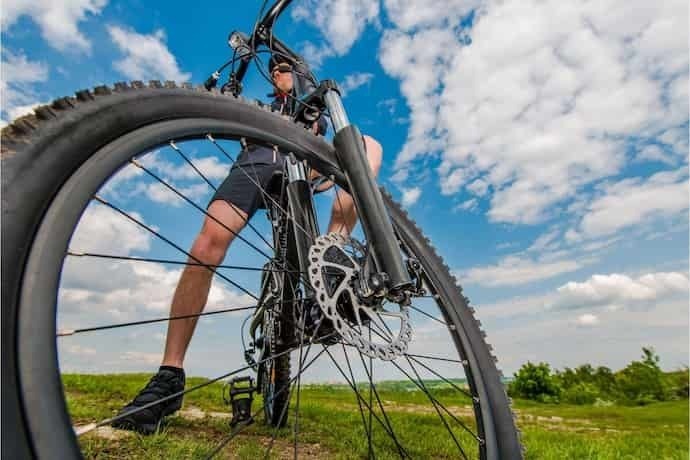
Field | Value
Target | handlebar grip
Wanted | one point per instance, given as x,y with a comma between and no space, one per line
211,81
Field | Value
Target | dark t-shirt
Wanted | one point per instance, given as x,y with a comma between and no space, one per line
258,154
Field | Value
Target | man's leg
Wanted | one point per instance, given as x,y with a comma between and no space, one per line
194,285
344,214
190,298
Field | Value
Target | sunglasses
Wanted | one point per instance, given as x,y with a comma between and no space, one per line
282,68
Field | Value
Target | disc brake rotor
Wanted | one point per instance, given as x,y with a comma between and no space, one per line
334,267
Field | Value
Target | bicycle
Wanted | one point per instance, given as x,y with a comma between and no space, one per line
361,288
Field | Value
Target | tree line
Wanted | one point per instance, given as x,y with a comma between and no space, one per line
640,382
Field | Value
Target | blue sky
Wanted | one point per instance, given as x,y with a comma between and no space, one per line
543,147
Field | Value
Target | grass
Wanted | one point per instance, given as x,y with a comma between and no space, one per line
331,425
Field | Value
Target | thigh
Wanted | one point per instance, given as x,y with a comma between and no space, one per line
224,221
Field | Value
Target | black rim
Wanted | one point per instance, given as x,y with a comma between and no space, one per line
40,378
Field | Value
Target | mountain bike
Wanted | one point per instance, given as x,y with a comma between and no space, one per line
356,301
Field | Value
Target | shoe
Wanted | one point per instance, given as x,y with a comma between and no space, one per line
167,381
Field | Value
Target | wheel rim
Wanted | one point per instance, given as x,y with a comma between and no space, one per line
40,376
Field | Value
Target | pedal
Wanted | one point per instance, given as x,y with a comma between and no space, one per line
240,395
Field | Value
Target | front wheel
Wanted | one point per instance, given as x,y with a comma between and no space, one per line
54,166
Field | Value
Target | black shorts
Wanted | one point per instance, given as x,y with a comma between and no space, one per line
240,187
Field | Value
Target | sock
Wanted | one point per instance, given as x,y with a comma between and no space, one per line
177,370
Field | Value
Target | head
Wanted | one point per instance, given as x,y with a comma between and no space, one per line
281,74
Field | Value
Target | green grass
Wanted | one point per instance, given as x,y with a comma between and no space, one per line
331,425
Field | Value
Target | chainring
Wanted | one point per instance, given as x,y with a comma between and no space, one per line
334,267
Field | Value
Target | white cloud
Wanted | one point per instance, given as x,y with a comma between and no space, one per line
615,290
600,294
514,270
547,93
547,241
16,85
80,350
340,21
410,196
410,14
146,56
587,320
211,167
96,289
159,193
633,201
479,187
389,105
354,81
103,230
141,357
467,205
654,152
57,20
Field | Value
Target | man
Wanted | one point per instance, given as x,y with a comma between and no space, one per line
234,203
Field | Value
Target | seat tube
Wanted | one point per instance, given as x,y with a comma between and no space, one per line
352,157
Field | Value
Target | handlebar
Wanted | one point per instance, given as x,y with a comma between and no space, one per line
262,32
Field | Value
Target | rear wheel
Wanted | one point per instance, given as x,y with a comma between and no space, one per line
53,167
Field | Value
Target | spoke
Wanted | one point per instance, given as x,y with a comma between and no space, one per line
429,315
143,225
461,390
420,384
202,210
299,379
173,262
438,358
87,428
380,332
68,332
385,426
177,149
284,409
371,400
237,431
359,403
445,409
189,162
380,404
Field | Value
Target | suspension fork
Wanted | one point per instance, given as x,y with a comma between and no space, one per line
352,158
303,228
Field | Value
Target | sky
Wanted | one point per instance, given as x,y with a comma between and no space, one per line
542,146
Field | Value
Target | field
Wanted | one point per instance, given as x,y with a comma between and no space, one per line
331,425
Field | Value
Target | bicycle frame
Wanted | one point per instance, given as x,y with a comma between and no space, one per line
351,156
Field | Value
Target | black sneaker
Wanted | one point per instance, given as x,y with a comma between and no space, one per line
167,381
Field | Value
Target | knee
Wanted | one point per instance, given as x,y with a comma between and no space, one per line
210,246
374,153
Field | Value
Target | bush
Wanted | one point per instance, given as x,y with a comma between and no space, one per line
581,393
535,382
678,383
642,382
